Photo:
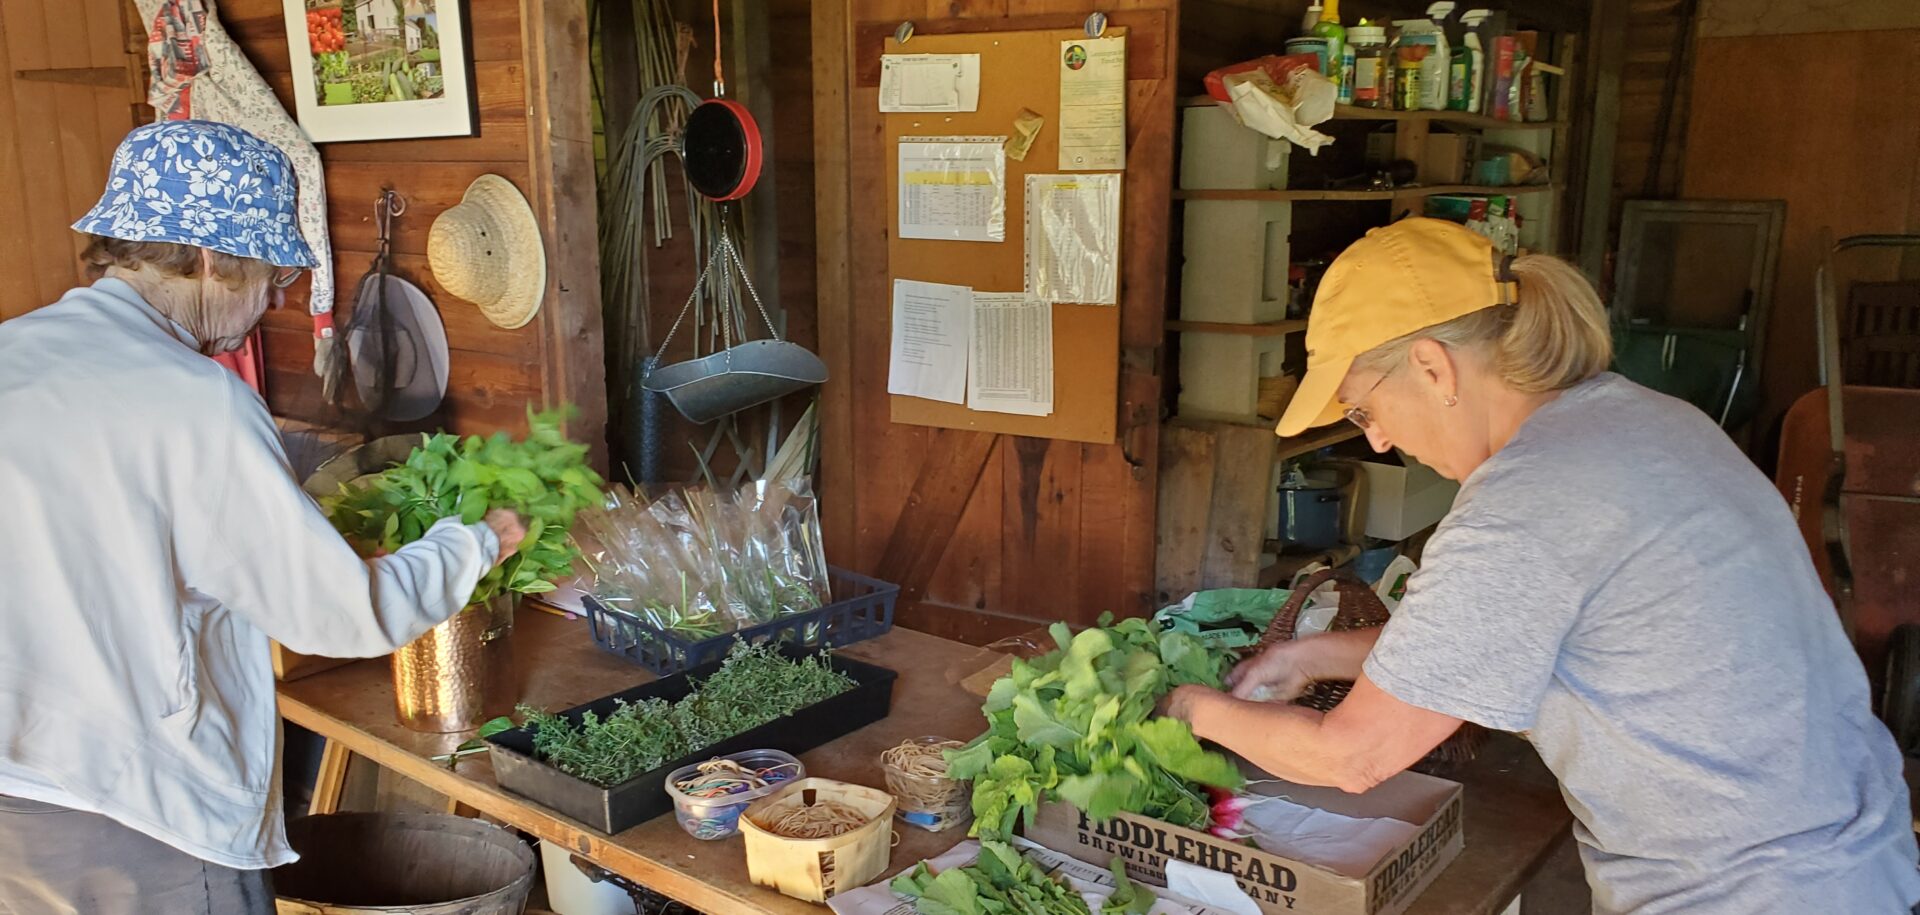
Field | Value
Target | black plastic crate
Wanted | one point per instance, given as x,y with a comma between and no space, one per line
644,796
864,609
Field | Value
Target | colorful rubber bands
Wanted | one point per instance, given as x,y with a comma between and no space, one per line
721,778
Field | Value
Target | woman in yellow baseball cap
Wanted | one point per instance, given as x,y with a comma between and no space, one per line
1615,581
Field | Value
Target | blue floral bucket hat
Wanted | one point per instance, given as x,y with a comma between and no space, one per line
204,184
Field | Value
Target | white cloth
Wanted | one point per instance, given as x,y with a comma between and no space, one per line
154,540
231,91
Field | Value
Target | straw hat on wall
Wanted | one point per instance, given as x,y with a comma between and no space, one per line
486,249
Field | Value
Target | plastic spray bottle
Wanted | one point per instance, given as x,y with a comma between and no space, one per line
1476,58
1339,58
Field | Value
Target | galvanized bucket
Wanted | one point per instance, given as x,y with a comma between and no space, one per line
403,864
460,673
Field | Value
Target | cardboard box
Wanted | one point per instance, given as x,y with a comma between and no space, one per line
1280,885
1449,158
1404,496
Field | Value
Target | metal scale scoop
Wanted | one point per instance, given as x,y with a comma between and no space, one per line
740,375
721,154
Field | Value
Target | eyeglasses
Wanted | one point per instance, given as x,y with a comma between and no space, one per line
1357,414
286,277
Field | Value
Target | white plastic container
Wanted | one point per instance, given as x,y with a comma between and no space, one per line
718,817
570,892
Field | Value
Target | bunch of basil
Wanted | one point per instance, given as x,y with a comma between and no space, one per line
544,477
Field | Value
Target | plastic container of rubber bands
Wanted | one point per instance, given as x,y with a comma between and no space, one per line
816,838
709,797
916,773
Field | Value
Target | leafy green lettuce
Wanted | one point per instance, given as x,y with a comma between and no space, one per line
1077,724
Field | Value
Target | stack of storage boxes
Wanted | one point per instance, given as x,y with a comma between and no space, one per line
1235,270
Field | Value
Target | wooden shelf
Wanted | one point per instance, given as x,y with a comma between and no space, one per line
1409,191
1455,118
1316,439
1270,329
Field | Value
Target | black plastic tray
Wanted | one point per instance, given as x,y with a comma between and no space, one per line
644,796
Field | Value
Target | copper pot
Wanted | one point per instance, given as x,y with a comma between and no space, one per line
459,674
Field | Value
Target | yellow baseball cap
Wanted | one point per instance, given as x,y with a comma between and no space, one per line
1398,279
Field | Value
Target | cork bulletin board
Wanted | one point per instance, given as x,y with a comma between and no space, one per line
1018,70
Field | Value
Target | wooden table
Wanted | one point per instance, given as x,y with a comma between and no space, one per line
1514,814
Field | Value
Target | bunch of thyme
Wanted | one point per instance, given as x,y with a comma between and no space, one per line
755,685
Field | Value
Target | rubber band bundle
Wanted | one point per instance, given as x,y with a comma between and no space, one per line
916,773
709,797
822,820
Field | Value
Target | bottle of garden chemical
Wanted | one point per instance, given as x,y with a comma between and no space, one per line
1411,53
1476,59
1311,19
1370,65
1348,61
1434,70
1517,87
1329,28
1424,45
1459,64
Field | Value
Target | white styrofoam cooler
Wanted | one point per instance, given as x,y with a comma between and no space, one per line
1217,152
1220,374
1236,253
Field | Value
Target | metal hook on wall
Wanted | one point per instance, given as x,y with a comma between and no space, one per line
389,205
904,33
1096,24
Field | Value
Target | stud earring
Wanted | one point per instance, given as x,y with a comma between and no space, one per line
1451,401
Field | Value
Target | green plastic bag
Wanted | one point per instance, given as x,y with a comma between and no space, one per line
1225,617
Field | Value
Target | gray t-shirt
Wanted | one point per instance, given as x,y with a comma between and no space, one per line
1623,587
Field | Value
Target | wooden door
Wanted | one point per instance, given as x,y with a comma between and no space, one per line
987,534
68,94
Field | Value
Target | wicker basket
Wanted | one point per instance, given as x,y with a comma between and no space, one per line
1360,608
818,869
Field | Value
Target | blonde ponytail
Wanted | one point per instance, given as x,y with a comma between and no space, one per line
1558,335
1554,337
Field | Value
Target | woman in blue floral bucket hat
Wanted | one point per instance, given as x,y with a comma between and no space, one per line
157,539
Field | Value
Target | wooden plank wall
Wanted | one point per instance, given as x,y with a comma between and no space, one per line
1653,28
58,137
987,534
535,130
1828,123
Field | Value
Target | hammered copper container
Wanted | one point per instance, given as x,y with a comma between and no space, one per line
460,674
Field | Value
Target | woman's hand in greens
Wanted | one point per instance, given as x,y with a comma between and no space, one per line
510,530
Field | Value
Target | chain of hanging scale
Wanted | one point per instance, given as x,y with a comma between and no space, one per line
711,222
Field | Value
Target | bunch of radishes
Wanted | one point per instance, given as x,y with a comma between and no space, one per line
325,30
1228,809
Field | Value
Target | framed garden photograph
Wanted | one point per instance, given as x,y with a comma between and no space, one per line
380,69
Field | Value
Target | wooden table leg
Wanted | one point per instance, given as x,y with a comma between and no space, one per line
332,779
